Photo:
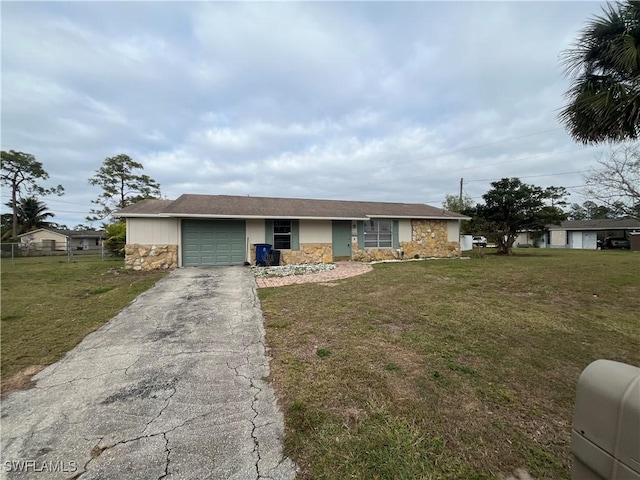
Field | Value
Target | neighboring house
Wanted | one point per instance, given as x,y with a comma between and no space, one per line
55,239
584,234
530,239
224,230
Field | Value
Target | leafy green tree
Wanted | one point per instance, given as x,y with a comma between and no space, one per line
21,172
7,222
604,66
32,214
116,236
121,185
576,212
453,204
82,226
511,207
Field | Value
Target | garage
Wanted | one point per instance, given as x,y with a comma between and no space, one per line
213,242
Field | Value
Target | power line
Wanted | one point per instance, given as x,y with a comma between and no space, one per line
48,200
529,176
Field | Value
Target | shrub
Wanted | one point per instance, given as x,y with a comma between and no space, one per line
116,238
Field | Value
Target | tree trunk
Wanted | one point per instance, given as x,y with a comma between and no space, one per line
14,204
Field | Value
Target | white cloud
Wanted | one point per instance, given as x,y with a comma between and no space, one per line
376,100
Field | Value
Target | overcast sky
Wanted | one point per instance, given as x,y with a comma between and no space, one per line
368,100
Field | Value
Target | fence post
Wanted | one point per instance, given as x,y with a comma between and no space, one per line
69,252
102,249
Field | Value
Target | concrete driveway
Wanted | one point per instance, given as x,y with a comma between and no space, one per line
172,387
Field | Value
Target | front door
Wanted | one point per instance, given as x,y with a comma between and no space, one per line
341,239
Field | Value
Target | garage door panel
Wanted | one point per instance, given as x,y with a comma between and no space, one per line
213,242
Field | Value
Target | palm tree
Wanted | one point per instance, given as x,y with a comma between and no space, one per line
604,64
32,214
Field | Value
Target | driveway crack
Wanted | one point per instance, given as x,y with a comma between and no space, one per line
253,420
168,450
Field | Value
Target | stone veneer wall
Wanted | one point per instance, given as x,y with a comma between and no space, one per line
373,254
430,239
150,257
308,253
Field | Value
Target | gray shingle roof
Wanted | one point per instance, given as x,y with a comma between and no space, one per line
149,206
77,233
267,207
70,233
600,224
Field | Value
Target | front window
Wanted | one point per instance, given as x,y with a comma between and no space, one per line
377,234
282,234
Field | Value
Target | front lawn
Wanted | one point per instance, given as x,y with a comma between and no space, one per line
449,368
49,305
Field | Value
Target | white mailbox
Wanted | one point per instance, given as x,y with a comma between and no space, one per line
605,438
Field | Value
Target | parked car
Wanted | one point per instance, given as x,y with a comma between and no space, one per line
480,241
615,242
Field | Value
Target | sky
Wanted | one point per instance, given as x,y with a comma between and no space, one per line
377,101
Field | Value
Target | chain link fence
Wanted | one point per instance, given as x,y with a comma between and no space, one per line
20,251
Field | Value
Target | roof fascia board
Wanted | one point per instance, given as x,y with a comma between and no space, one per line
586,229
254,217
43,230
284,217
420,217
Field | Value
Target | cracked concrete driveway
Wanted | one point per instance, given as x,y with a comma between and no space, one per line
172,387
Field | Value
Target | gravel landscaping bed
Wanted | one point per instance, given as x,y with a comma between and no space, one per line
288,270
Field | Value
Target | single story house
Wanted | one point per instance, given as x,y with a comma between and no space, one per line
198,230
584,234
530,239
56,239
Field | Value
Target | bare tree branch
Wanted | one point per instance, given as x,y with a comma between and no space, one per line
616,182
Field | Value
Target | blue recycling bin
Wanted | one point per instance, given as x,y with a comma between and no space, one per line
263,252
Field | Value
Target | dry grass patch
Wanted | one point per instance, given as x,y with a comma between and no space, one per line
449,369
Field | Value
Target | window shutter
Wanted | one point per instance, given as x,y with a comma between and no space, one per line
395,234
295,235
360,234
268,232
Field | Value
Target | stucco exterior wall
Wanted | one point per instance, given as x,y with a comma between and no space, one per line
404,230
153,231
558,238
453,230
255,231
315,231
34,239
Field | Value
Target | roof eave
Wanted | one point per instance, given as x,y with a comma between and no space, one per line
420,217
255,217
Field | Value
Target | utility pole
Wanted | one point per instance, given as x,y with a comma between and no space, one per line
460,197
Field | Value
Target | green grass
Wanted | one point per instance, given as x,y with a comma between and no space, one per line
49,305
448,369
